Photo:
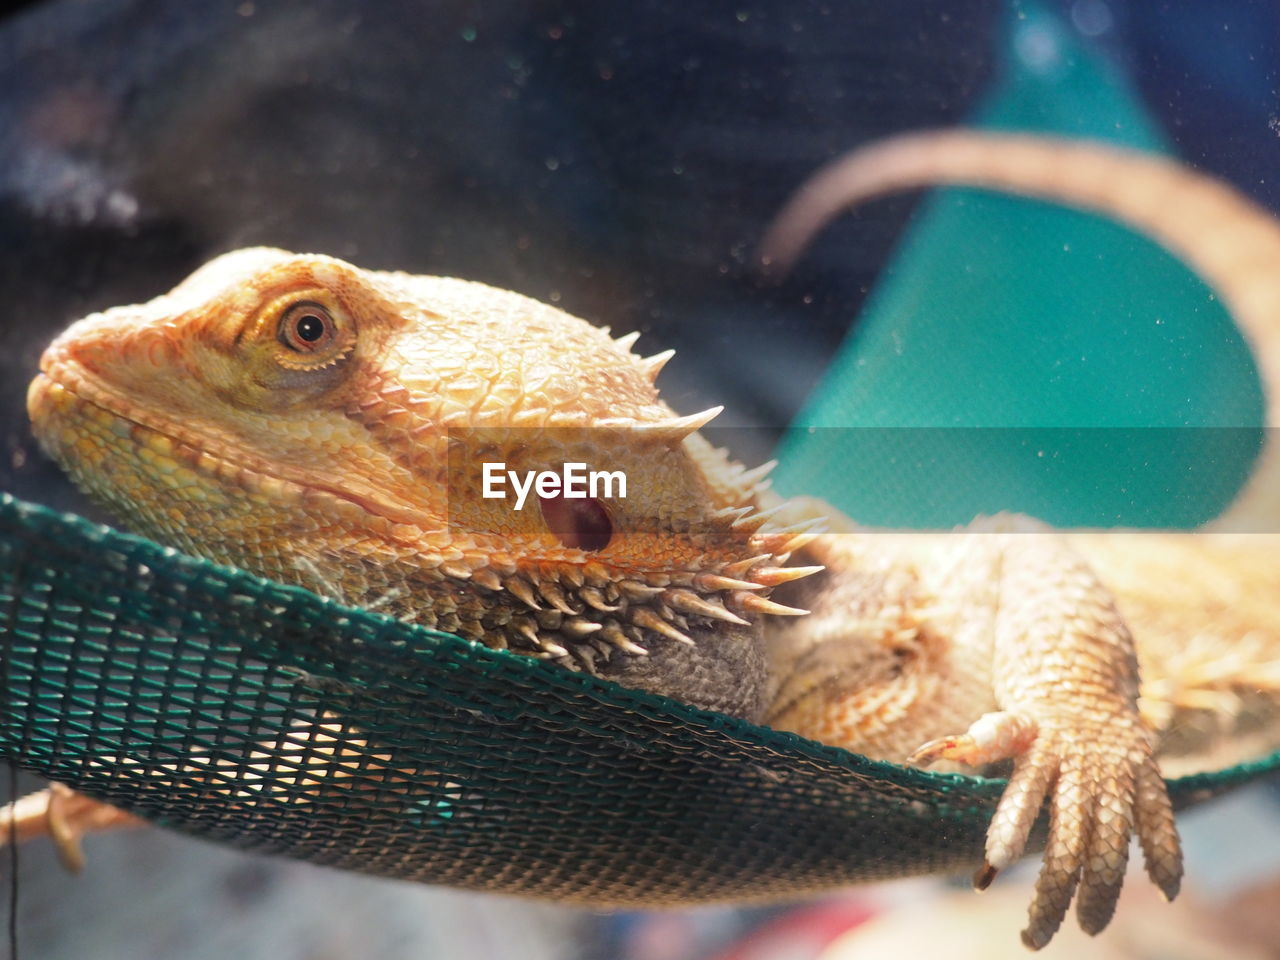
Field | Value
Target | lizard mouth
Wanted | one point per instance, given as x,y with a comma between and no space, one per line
66,403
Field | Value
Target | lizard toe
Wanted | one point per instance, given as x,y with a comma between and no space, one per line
992,737
1102,786
1111,780
1157,834
1071,807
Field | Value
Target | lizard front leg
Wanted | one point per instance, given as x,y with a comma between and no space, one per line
1007,632
64,816
1065,676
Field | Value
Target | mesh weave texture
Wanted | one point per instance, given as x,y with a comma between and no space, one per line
191,694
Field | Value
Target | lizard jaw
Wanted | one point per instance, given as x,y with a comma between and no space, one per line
64,399
558,612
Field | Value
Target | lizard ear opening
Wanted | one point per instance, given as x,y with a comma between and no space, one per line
580,524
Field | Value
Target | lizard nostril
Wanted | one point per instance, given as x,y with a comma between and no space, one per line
581,524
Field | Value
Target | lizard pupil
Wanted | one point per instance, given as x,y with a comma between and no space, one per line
306,328
578,524
309,327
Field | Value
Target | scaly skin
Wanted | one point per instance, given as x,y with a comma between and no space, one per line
207,420
332,469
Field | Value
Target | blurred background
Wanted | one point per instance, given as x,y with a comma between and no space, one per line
618,159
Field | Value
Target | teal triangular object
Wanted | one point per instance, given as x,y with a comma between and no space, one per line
1020,356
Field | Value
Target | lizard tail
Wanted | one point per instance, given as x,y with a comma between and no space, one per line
1228,239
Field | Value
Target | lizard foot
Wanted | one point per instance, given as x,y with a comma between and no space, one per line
64,816
1103,783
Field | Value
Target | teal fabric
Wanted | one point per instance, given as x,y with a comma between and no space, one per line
1021,356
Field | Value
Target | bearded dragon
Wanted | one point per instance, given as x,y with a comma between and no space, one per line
303,418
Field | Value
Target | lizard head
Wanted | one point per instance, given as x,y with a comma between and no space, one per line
327,426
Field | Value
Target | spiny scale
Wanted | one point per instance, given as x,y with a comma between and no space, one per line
573,614
689,602
759,604
627,340
675,429
754,479
583,612
650,367
577,629
524,591
713,582
486,578
773,576
650,620
615,635
638,592
551,593
597,600
758,519
742,568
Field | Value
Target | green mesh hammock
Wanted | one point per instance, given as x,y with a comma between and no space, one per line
177,689
123,660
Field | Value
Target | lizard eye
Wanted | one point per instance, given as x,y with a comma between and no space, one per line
307,328
578,524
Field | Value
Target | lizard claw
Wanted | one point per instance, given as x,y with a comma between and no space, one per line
1102,784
